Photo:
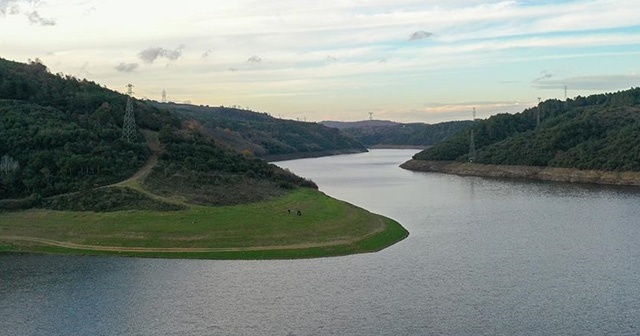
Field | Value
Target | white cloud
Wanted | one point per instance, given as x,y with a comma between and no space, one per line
126,67
330,46
149,55
592,83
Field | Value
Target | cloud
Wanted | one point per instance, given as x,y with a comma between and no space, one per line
464,110
254,59
34,17
420,35
591,83
8,5
13,7
544,75
206,54
233,69
149,55
126,67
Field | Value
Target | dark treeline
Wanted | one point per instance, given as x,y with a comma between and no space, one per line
261,134
61,134
600,132
415,134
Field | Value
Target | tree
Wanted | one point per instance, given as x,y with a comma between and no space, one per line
8,164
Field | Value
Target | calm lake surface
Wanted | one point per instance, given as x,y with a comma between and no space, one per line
485,257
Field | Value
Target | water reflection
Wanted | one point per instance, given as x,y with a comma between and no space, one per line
484,257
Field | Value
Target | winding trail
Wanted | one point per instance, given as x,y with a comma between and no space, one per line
50,242
136,181
154,144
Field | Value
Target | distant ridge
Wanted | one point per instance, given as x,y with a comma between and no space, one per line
358,124
260,134
384,133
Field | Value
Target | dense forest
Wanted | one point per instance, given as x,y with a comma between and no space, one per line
376,133
261,134
598,132
61,135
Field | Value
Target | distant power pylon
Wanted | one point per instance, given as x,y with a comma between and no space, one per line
129,125
538,114
472,142
370,116
164,96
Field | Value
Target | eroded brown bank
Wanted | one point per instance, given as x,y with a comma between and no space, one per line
529,172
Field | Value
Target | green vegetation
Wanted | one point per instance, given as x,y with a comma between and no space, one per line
70,184
599,132
106,200
415,134
60,134
261,134
261,230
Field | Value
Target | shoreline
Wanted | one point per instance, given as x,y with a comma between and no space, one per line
308,155
554,174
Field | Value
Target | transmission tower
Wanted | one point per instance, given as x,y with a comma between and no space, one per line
164,96
538,114
472,142
370,116
129,125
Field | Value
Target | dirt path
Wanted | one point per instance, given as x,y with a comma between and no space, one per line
50,242
137,178
136,181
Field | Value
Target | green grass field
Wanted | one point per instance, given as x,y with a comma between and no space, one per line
265,230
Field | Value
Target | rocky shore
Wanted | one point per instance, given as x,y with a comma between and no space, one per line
529,172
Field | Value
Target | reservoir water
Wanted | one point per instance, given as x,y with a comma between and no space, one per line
484,257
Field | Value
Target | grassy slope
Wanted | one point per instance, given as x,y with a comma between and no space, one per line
264,230
327,227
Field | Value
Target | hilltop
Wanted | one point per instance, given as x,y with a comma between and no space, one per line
383,133
598,133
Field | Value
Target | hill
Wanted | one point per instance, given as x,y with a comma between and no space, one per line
263,135
62,135
377,133
599,132
69,183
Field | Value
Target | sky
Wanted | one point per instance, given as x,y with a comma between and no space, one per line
402,60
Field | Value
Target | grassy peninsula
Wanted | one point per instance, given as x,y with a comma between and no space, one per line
265,230
70,183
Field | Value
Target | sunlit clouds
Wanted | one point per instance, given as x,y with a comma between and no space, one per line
403,60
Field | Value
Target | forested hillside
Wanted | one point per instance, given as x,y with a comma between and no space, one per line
60,134
598,132
261,134
394,134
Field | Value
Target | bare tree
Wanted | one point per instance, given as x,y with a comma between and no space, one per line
8,164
